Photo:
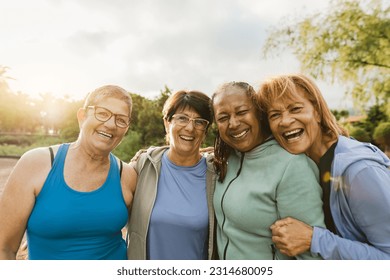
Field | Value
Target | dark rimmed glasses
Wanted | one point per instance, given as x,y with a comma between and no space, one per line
183,120
102,114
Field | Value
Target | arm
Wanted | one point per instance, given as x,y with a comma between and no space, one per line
129,183
299,196
369,200
18,199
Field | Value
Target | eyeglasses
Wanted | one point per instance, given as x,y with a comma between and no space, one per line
184,120
103,115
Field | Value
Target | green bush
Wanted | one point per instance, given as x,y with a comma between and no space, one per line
382,133
360,134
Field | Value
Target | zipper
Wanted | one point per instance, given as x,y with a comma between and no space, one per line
222,199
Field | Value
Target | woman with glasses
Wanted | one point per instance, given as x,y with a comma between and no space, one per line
172,217
73,199
258,181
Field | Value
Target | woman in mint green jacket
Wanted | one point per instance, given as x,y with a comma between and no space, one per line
259,182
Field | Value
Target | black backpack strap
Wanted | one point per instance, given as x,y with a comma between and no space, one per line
51,155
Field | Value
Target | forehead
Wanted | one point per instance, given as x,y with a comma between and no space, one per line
187,110
288,98
231,99
115,105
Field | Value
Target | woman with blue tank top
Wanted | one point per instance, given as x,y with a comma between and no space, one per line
172,217
73,199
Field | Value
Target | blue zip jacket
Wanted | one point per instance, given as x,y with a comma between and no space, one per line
360,204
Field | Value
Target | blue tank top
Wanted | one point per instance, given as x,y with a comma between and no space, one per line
67,224
178,227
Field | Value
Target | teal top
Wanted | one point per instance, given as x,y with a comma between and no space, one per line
68,224
268,184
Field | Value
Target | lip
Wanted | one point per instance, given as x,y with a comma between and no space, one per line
293,135
104,134
187,138
239,135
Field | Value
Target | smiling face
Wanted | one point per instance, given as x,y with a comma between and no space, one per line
295,124
237,119
102,136
184,140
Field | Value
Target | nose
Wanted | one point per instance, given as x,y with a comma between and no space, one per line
286,120
234,121
190,125
110,122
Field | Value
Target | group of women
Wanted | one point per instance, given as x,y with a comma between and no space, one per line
284,182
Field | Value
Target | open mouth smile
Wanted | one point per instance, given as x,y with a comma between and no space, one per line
187,138
240,135
293,134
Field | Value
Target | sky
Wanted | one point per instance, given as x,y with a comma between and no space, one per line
70,47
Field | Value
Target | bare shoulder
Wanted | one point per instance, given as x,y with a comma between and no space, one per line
32,168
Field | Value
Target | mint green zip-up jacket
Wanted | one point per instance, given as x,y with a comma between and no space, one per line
148,168
267,184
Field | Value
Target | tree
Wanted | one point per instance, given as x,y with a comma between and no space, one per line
349,43
382,136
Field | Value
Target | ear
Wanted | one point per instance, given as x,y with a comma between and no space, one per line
317,117
166,125
81,116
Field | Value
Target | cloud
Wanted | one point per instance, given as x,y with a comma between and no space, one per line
71,47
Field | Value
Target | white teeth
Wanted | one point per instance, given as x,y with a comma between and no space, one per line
240,135
187,138
105,134
292,132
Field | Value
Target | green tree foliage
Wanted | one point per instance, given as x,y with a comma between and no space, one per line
360,134
23,119
349,43
339,114
382,136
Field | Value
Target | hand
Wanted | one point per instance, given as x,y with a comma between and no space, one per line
292,237
137,155
207,150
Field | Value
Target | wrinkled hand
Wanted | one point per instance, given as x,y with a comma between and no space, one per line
292,237
137,155
207,150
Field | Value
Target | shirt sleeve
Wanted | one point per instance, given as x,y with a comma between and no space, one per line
369,201
299,195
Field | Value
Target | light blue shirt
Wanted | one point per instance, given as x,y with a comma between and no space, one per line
178,227
360,204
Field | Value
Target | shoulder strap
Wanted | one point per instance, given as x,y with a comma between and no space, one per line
51,155
120,168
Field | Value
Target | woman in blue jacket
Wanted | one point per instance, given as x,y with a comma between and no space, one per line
354,176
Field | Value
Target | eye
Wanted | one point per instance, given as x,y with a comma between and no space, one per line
296,109
121,121
183,119
103,114
242,112
222,119
273,116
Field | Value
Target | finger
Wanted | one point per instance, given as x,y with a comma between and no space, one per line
281,222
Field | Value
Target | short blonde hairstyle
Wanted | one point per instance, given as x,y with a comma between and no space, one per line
108,91
285,86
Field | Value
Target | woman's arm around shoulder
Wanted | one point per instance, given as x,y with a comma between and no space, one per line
18,198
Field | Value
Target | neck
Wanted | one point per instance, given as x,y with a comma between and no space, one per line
320,148
88,155
183,160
